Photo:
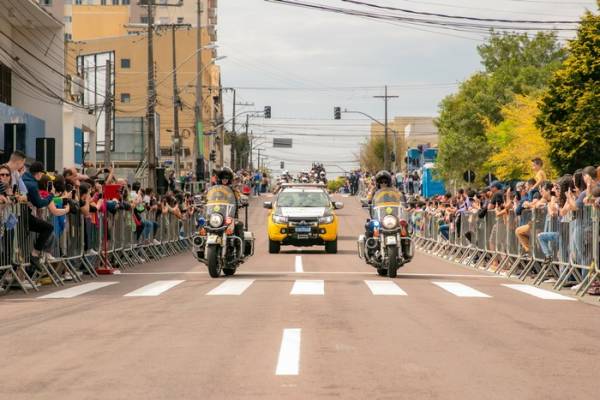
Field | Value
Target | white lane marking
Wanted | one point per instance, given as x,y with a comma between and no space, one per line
460,290
288,362
233,287
308,287
385,288
77,290
537,292
322,273
154,289
298,265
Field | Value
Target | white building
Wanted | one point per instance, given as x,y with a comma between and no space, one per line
31,79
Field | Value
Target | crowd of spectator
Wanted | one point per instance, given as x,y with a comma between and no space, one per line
43,200
559,212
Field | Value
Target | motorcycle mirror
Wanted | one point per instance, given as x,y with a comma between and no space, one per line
268,205
338,205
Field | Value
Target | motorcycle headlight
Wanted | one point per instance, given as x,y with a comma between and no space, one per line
326,219
215,220
389,222
280,219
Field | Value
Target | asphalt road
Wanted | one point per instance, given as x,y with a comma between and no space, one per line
298,325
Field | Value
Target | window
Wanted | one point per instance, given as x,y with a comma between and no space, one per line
68,19
102,2
180,20
115,2
125,2
125,63
5,85
68,37
125,98
78,2
46,2
144,19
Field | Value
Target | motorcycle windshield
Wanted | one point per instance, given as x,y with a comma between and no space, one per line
386,202
380,212
222,200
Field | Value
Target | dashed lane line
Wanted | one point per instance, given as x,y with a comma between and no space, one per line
233,287
308,287
385,288
540,293
77,290
298,267
460,290
154,289
288,362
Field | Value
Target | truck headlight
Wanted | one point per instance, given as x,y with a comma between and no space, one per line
389,222
280,219
326,219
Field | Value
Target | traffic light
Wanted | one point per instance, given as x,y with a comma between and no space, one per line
267,112
337,113
213,156
281,165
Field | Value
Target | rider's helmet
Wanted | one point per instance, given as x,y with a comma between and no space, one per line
322,174
383,177
225,173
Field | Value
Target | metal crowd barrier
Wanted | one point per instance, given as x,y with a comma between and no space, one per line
84,246
563,250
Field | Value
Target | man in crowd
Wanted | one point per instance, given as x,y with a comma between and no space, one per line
42,228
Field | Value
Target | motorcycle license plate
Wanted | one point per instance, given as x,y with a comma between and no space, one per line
390,240
213,239
303,229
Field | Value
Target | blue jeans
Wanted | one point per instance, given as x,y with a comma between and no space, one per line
149,227
445,231
256,189
546,239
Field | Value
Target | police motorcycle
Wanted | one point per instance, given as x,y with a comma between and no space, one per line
222,243
386,244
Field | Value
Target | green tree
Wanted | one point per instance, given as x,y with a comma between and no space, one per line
514,64
371,154
570,108
516,141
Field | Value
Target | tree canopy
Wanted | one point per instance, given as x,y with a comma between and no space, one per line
514,64
570,108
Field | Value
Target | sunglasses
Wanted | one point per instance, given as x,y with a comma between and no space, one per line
4,174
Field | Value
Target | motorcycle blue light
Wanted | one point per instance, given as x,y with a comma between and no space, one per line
201,222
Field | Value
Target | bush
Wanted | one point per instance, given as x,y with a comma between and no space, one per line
335,185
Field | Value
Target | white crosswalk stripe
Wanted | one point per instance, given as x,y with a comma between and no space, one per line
77,290
385,288
233,287
308,287
539,293
460,290
154,289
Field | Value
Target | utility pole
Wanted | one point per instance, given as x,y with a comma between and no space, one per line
198,150
385,135
247,124
233,134
108,114
151,100
176,105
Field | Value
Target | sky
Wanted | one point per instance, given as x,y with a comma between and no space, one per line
303,63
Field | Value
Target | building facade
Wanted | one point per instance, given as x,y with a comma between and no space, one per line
31,81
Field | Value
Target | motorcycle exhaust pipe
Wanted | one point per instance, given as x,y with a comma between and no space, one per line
360,243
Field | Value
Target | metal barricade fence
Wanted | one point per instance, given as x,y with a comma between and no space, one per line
535,244
82,244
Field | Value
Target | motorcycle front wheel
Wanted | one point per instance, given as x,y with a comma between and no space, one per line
392,261
214,267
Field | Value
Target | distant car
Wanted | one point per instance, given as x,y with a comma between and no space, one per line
303,215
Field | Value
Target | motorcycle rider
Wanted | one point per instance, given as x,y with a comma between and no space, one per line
225,178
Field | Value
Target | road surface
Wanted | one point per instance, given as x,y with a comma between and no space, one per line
299,325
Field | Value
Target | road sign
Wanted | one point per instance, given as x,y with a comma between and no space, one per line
282,143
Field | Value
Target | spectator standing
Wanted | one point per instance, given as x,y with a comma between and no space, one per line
41,227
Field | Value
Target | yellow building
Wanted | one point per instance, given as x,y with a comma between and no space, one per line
98,21
131,92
